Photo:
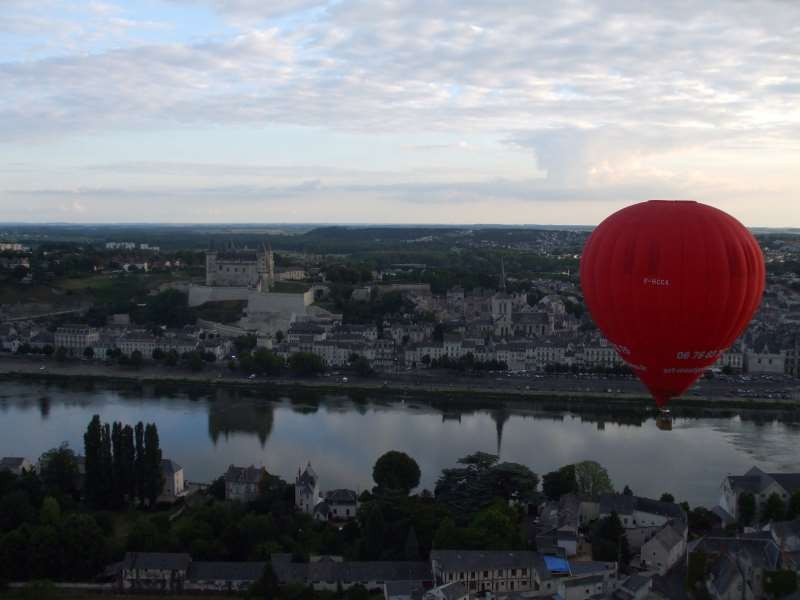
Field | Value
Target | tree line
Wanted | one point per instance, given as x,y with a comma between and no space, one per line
123,464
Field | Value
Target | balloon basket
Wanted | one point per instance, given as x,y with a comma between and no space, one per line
664,420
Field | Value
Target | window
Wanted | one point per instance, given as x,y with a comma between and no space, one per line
486,573
513,572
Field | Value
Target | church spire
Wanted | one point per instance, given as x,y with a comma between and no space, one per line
502,275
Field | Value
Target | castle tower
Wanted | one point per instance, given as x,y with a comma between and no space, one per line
211,264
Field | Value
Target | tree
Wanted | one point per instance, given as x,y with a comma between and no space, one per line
447,536
793,507
217,488
154,477
374,529
626,491
609,542
136,359
127,462
58,470
279,336
396,471
774,509
592,479
513,481
50,513
88,352
267,585
411,547
118,482
92,441
61,354
305,364
746,508
362,367
139,462
558,483
170,308
157,354
667,497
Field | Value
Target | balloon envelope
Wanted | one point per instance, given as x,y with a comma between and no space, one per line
671,284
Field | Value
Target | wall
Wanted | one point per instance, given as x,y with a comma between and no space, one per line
200,294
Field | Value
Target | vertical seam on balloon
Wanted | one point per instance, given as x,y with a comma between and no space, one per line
735,317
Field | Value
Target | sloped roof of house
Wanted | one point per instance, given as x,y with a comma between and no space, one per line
472,560
669,536
249,474
225,571
164,561
761,552
341,496
170,467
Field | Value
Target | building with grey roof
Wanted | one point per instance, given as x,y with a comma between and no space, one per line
737,565
666,548
491,570
15,464
761,485
226,577
241,483
153,571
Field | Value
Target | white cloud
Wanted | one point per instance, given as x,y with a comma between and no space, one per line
606,95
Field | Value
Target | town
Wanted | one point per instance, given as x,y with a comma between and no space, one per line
492,305
489,529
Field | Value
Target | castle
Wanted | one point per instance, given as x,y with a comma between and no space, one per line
241,267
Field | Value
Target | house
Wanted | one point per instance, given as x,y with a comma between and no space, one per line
331,573
449,591
582,588
786,535
761,485
76,337
635,587
226,577
15,464
306,490
241,483
666,548
736,566
641,517
492,571
173,481
154,571
341,503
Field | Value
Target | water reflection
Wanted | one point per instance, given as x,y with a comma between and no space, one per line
254,418
206,429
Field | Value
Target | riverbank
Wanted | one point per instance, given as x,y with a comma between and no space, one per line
558,392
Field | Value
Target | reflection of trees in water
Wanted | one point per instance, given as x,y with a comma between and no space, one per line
44,407
252,417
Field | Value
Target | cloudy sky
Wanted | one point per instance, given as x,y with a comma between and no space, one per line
406,111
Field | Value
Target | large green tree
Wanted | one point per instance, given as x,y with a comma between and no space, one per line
793,507
560,482
92,450
58,470
154,477
609,542
746,508
396,471
774,509
591,479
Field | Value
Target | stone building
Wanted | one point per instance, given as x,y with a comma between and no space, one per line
241,483
241,267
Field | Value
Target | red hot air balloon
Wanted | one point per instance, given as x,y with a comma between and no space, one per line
671,284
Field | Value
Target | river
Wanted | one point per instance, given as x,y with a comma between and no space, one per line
342,437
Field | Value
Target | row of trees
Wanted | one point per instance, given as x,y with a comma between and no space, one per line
123,464
774,509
